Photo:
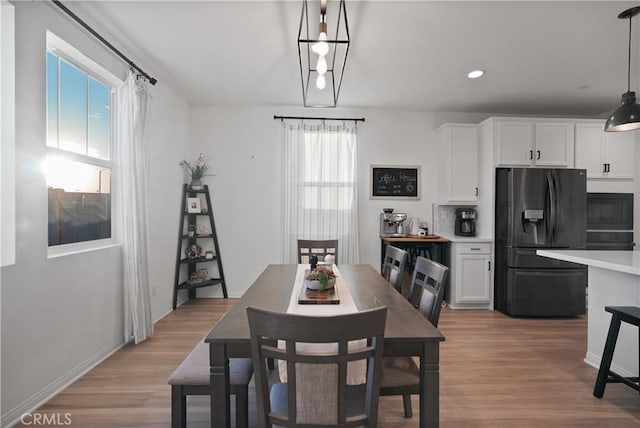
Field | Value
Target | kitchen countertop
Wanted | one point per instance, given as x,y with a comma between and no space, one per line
619,261
454,238
431,238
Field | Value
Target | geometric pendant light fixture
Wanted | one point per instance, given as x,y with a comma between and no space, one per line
323,46
627,116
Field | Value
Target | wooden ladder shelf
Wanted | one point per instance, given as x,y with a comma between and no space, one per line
198,248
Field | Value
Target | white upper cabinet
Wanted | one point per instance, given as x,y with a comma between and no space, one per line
554,144
605,155
458,144
514,142
523,142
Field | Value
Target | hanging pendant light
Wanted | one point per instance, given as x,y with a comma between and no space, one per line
322,57
627,116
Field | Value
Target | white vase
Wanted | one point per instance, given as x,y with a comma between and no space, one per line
314,284
196,184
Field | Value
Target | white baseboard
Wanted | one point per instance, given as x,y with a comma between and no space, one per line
594,361
45,394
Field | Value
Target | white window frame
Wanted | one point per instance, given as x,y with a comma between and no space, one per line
64,50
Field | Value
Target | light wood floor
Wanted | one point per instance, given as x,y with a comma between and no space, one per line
496,371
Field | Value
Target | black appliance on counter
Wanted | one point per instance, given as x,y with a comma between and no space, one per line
610,221
538,209
465,222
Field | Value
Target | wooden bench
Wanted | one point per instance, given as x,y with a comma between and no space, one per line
192,378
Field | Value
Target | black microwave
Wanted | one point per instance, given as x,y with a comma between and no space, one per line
609,211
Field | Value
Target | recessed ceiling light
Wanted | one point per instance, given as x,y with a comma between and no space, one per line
475,74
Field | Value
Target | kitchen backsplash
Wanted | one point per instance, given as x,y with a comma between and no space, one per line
444,218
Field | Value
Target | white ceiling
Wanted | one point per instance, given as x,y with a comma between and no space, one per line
541,57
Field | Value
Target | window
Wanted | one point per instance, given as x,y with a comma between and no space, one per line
320,187
79,103
329,170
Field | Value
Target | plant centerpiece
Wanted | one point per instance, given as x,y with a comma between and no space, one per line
197,170
321,278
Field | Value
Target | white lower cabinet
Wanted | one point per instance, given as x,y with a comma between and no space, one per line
471,275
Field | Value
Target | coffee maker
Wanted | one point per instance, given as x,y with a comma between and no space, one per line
465,222
392,224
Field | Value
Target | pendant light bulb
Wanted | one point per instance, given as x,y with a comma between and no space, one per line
321,47
321,66
321,82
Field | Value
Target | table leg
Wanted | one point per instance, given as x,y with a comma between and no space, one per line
430,386
219,372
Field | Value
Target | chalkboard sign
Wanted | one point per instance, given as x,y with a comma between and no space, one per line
388,181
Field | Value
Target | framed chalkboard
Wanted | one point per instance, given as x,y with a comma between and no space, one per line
395,182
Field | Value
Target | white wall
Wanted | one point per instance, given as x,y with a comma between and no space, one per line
60,316
243,145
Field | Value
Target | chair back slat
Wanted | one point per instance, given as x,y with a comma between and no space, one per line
320,248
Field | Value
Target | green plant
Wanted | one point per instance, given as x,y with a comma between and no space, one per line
321,274
198,169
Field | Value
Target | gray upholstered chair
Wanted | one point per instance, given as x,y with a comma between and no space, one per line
393,266
401,375
322,248
316,387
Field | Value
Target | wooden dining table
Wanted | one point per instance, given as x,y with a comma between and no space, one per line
407,332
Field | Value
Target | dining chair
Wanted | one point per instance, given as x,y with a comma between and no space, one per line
320,248
316,387
401,375
393,266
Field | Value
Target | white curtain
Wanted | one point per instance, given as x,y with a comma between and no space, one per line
319,188
132,160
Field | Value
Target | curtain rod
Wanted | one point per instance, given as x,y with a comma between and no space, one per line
103,40
355,119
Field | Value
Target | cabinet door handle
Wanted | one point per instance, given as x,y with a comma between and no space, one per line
604,168
608,167
530,154
489,265
476,191
474,249
538,153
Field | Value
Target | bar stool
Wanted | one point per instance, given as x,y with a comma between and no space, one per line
630,315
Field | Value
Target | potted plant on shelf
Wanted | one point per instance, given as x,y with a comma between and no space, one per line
197,170
320,278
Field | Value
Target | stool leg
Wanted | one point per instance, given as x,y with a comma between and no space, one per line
607,356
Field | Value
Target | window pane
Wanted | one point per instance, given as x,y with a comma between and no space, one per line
52,100
79,201
99,119
73,108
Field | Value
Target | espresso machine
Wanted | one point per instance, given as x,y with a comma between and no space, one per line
465,222
392,224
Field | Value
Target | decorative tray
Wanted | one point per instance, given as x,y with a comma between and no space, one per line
318,297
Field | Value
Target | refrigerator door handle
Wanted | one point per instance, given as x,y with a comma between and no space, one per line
553,205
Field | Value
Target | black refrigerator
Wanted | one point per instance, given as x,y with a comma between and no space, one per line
539,208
